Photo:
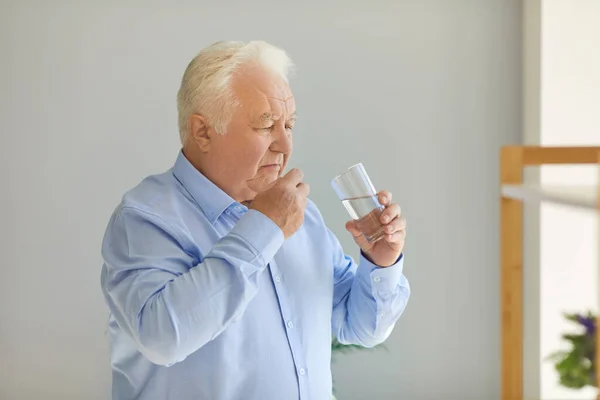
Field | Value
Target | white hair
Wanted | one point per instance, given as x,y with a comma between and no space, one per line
206,83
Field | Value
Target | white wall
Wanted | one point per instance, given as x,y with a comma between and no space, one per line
570,115
531,85
423,92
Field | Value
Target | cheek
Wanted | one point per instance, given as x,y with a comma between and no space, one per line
255,154
242,153
251,155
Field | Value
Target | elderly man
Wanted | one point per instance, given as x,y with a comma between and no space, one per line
222,279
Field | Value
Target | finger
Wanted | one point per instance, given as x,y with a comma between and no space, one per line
293,177
303,189
397,237
390,213
351,227
358,237
397,224
385,197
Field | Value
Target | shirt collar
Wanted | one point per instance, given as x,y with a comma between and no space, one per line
211,199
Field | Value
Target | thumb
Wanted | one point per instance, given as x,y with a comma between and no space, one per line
351,227
358,237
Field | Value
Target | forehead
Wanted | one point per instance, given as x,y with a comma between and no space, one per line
261,89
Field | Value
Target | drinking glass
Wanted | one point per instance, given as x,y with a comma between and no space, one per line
357,193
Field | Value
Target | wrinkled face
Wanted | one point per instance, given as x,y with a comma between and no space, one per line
256,147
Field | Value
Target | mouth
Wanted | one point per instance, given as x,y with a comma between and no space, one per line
271,167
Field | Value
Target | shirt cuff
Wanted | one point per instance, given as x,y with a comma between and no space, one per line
381,279
261,233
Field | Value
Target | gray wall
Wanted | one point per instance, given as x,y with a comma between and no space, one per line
423,92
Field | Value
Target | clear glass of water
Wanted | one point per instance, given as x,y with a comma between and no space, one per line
357,193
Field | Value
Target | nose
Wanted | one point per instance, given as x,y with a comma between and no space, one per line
282,141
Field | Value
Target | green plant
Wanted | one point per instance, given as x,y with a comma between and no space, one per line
575,366
338,348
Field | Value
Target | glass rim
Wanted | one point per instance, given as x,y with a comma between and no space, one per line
349,169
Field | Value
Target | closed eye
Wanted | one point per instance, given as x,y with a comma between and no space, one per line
290,123
288,127
265,129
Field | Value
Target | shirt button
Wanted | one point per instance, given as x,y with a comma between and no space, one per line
376,279
290,324
278,279
238,208
302,371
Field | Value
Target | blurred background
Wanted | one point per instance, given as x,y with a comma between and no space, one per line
423,92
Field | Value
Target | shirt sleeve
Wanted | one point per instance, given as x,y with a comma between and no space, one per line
367,300
168,303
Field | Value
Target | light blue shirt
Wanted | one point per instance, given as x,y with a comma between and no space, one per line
209,302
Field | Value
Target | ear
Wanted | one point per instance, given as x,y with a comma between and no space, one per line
200,132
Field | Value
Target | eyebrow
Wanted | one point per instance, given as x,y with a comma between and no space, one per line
268,117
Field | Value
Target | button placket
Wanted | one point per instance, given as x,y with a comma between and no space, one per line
291,330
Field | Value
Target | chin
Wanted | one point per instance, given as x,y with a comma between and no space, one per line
254,188
262,181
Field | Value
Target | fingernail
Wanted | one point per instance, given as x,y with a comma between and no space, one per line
389,228
386,219
384,199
